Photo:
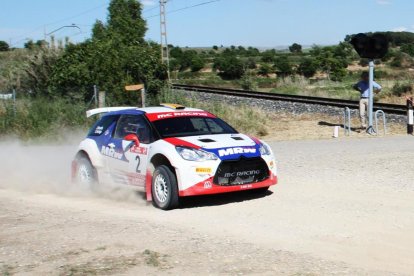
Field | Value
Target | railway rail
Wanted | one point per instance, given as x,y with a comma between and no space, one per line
387,108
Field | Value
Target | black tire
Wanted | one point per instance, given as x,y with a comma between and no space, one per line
164,188
86,176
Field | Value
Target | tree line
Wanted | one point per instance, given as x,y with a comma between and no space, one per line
234,62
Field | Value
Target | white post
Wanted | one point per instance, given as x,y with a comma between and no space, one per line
101,99
95,95
370,128
143,96
14,102
410,116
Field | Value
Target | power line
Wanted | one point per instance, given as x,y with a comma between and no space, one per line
197,5
185,8
77,15
153,8
23,37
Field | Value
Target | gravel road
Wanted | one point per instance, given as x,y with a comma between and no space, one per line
342,207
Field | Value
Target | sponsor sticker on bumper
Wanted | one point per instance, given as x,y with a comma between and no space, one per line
203,170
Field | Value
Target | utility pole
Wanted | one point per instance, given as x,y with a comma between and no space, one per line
164,44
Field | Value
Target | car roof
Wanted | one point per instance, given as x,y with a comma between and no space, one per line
161,109
167,108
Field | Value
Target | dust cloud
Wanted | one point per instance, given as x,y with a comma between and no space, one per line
45,167
33,168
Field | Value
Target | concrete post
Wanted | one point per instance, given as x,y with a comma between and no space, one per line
95,95
101,99
410,119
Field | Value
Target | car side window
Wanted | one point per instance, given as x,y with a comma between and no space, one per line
102,125
133,124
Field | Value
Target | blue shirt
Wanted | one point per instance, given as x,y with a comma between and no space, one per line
363,87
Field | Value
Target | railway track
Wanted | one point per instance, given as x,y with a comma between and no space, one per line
387,108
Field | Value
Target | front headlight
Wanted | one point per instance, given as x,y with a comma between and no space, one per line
264,149
191,154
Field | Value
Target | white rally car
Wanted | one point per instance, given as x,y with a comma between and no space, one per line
171,151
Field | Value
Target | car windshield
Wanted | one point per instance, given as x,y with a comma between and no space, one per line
192,126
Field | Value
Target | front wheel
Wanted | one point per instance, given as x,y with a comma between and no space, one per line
164,188
86,176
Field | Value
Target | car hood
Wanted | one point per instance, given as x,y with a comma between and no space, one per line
225,146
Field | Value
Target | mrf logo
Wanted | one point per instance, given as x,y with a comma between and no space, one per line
110,151
236,150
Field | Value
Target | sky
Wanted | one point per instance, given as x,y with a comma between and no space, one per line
205,23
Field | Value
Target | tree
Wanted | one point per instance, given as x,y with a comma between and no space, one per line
241,50
269,56
264,70
332,60
283,66
99,31
176,52
250,63
197,63
4,46
408,48
395,38
251,52
295,48
29,45
229,67
308,67
116,55
41,64
247,81
125,21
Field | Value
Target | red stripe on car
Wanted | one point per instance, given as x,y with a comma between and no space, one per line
207,187
179,142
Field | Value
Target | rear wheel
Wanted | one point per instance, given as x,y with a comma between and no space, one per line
86,176
164,188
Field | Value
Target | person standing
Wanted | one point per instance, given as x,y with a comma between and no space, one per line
363,87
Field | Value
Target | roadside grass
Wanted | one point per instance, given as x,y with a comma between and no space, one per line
6,270
110,265
39,117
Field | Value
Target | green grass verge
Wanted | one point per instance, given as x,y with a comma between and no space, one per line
34,118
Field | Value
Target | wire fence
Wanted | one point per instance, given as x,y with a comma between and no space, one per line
9,99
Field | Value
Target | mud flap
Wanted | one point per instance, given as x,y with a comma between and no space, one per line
148,184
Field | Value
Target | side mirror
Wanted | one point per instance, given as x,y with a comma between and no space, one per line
133,138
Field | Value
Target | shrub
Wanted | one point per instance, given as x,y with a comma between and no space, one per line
402,88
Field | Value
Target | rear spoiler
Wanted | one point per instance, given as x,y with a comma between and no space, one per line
95,111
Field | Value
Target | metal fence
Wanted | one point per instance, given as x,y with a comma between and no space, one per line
10,97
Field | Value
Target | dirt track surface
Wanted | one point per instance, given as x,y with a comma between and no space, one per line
342,207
